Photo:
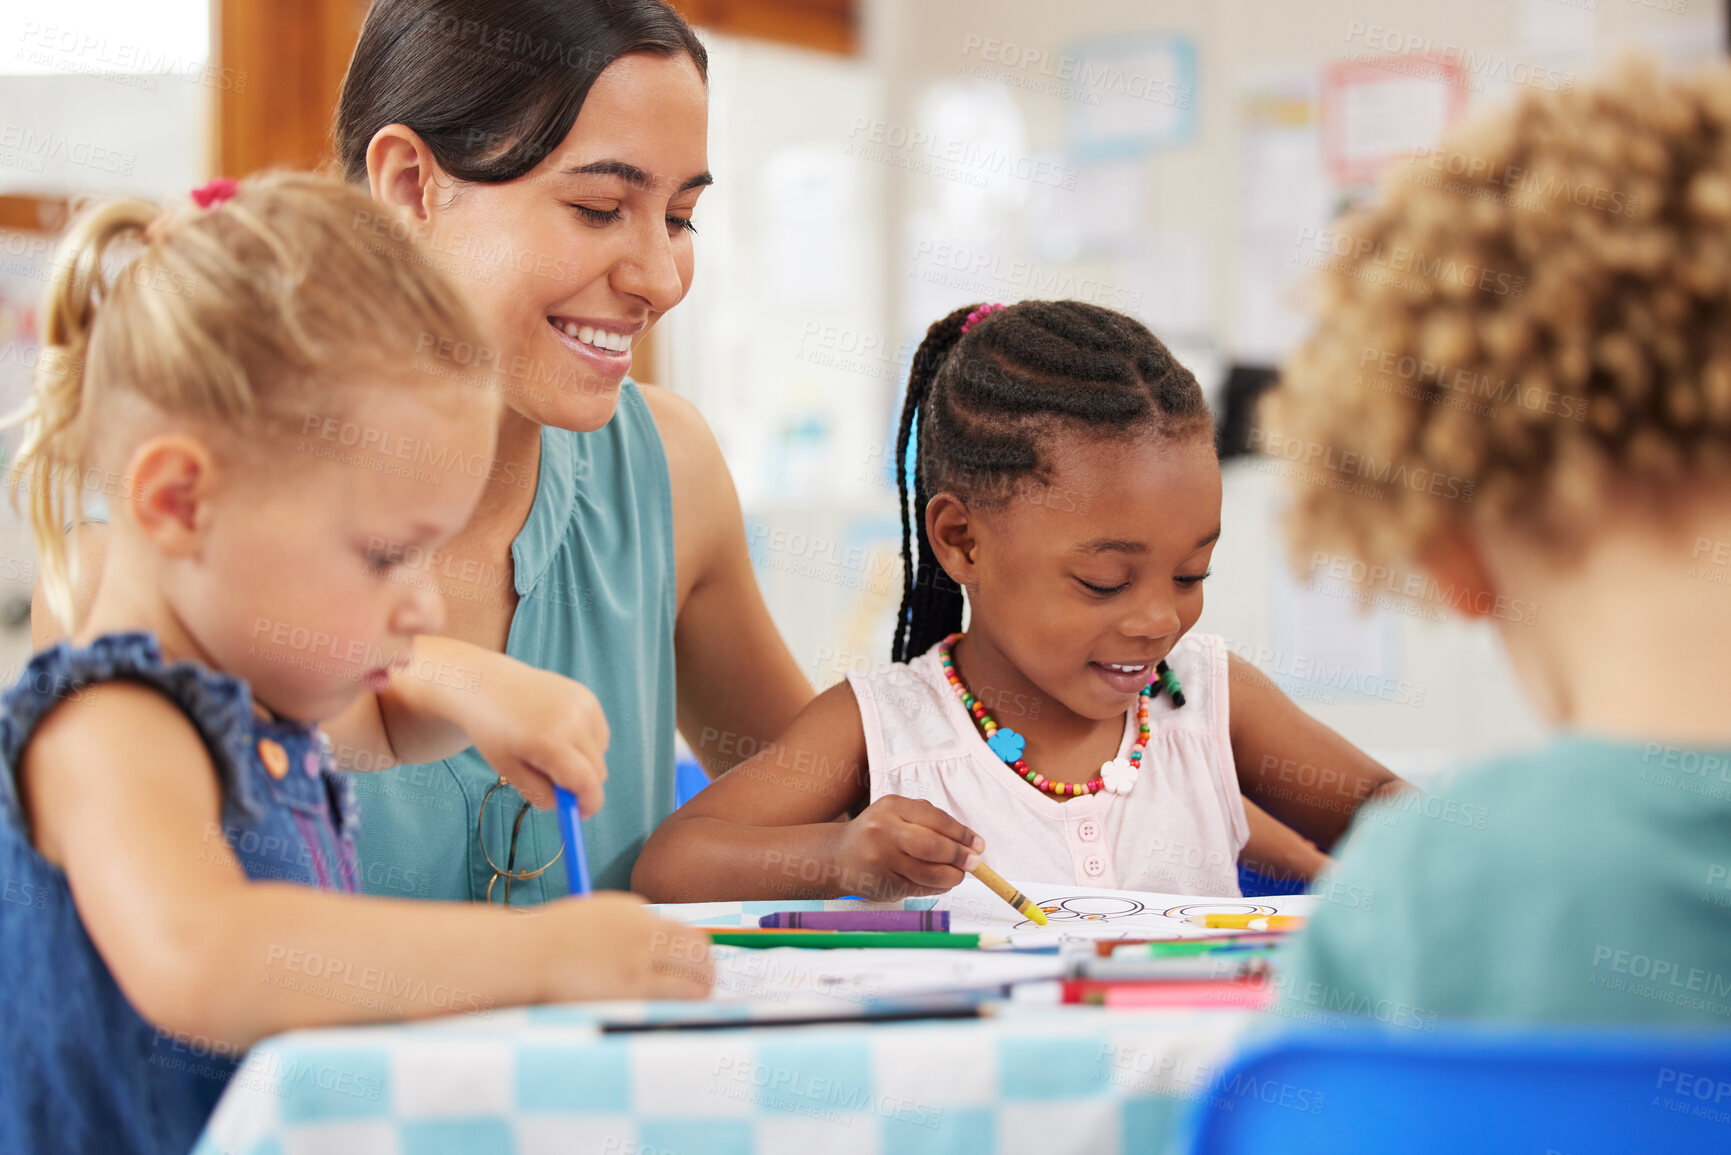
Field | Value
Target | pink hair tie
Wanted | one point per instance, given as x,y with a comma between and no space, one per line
214,192
979,315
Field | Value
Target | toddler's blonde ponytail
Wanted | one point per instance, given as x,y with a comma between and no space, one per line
50,463
239,317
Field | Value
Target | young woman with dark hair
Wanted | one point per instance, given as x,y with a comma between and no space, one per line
549,154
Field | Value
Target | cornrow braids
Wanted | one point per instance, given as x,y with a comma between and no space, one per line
987,400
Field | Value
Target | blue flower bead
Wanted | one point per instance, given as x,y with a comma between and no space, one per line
1007,744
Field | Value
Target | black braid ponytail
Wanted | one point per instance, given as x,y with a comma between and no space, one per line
986,400
931,600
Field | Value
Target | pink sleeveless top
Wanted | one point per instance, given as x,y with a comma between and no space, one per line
1177,831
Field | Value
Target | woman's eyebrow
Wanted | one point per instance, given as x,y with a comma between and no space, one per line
631,174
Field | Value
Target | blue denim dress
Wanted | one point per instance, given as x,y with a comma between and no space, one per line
80,1071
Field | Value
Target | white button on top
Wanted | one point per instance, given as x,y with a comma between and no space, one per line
1094,865
1088,830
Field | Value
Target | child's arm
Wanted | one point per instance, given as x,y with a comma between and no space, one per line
768,828
1300,771
1278,852
535,727
120,791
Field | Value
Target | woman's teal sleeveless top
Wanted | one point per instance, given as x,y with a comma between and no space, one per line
595,583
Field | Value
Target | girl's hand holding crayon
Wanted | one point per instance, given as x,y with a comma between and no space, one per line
901,847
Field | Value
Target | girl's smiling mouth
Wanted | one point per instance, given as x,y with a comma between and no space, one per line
1124,677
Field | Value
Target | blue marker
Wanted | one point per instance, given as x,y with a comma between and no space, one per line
571,827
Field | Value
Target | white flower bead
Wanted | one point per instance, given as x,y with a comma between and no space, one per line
1119,774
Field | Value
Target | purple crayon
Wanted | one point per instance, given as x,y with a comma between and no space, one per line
938,920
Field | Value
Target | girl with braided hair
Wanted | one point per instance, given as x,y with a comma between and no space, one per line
1067,492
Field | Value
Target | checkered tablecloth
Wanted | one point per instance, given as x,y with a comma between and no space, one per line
547,1080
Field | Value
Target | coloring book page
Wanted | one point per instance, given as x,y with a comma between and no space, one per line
1072,912
786,981
1080,912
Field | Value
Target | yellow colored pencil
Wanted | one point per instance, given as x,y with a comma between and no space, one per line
1009,894
1249,921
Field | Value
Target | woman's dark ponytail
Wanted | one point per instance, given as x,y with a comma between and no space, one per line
931,601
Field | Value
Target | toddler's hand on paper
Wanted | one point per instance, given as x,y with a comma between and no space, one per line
901,847
539,729
608,946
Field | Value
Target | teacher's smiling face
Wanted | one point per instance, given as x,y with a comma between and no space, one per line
569,264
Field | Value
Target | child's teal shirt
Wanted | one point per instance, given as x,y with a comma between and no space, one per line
595,585
1587,882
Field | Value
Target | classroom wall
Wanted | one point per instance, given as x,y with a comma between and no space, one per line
1198,187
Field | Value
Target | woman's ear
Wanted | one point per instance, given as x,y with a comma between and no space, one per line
950,529
172,480
401,172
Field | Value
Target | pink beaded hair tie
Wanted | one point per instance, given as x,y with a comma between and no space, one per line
213,193
979,315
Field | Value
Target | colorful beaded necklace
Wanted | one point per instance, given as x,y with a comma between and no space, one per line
1116,776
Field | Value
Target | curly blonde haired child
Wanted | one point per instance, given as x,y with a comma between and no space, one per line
1538,412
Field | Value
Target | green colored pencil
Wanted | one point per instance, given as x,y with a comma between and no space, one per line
834,939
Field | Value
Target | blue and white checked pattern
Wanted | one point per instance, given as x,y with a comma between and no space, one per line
546,1081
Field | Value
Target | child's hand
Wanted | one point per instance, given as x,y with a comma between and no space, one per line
539,729
536,728
608,946
900,847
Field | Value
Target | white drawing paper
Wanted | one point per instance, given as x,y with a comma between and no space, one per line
1076,913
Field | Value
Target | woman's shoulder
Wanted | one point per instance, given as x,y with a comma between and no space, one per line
607,492
708,524
695,467
679,422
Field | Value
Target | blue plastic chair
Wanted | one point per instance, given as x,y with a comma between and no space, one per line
1363,1088
688,779
1254,885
